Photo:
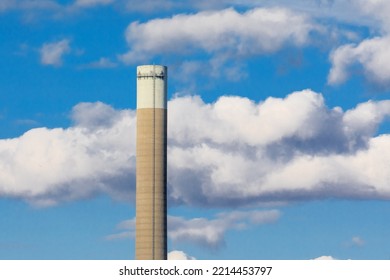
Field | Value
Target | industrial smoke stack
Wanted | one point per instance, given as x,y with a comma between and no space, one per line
151,170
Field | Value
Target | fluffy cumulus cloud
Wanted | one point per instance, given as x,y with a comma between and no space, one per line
236,151
46,166
224,32
371,54
209,233
233,152
52,53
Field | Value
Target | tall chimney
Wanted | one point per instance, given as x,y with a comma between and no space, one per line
151,170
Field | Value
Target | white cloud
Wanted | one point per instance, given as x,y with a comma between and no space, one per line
225,32
179,255
46,166
325,258
238,152
369,13
52,53
233,152
371,54
95,115
238,119
209,233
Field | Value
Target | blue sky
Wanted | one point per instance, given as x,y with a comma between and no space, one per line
278,127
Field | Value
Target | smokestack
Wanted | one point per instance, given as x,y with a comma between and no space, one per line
151,170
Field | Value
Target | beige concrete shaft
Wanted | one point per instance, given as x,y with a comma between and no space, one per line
151,176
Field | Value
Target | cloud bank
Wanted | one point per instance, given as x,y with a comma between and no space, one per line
236,151
233,152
